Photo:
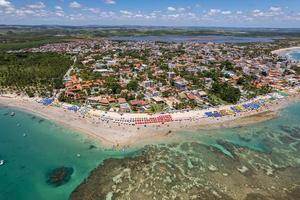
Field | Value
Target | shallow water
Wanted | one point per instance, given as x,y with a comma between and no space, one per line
31,147
295,55
48,146
252,136
258,161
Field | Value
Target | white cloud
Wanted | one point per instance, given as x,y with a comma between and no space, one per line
38,5
75,4
181,9
58,8
93,10
174,16
5,3
239,12
275,9
213,12
109,1
170,8
227,12
125,12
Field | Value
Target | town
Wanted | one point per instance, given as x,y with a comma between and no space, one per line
124,76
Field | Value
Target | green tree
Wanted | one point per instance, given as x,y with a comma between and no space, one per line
133,85
226,92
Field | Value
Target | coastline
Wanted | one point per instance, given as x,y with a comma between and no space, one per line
285,51
116,135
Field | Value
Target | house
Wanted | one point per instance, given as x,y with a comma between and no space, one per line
191,97
152,92
202,94
228,73
180,85
171,101
94,101
125,107
138,103
104,102
171,75
121,100
158,99
171,65
148,84
111,100
182,95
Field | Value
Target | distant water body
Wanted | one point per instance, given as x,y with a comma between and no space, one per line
202,39
32,147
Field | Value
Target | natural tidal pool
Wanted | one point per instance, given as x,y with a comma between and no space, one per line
34,149
259,161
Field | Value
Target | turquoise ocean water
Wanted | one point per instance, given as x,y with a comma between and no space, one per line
295,55
48,146
45,147
251,136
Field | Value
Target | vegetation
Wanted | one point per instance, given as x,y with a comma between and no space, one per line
133,85
112,86
31,72
226,92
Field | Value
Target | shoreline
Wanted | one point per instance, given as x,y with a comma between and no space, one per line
110,134
286,51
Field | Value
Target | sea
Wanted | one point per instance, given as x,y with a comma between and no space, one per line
32,147
295,55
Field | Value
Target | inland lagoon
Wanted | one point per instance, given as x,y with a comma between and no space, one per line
201,38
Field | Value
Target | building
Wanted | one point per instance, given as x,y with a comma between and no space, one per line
171,75
180,85
148,84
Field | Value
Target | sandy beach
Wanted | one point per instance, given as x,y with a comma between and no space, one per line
114,134
285,51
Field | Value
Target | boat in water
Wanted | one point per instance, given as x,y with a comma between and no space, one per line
12,114
1,162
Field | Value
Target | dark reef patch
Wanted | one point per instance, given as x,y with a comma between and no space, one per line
285,139
92,147
59,176
229,147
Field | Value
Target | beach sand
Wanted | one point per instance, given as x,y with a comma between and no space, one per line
285,51
112,134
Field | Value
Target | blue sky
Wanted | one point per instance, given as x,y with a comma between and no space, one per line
232,13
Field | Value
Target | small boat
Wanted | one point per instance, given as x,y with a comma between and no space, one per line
78,155
12,114
1,162
24,135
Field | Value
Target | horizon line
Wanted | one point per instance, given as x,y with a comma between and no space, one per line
163,26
